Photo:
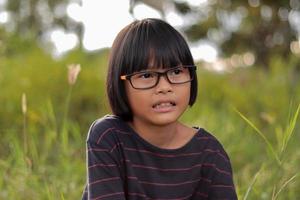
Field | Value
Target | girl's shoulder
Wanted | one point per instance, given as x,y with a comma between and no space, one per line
207,140
204,134
103,126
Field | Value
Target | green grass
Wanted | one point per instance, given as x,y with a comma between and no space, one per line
277,155
252,112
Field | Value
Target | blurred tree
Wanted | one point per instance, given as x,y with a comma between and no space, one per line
255,28
36,18
260,28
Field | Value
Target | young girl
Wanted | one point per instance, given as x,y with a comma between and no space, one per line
142,151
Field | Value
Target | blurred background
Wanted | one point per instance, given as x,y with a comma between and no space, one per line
248,58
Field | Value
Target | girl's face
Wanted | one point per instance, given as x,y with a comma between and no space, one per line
160,105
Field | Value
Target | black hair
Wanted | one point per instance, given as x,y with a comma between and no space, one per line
140,45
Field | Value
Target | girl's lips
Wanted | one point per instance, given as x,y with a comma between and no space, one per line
163,107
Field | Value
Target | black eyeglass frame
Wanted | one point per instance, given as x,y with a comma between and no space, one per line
190,67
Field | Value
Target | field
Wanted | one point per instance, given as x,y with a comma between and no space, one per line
44,121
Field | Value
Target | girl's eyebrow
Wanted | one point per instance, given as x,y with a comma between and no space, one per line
154,70
145,71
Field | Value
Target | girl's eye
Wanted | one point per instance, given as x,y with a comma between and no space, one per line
176,72
146,75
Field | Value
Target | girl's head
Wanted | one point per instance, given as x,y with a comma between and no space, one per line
143,45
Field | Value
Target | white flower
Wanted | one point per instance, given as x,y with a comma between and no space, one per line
73,71
24,103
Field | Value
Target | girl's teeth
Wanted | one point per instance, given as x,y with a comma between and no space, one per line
162,105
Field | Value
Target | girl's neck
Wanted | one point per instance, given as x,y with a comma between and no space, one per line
171,136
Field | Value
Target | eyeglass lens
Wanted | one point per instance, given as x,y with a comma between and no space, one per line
149,79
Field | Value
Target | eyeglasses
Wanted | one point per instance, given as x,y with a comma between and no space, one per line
149,79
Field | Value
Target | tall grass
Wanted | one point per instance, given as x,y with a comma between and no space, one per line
38,162
277,155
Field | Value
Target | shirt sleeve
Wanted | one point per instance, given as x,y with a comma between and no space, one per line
220,174
104,180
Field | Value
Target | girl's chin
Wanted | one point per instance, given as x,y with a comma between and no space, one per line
164,118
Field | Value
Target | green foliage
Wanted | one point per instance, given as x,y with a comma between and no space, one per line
39,158
276,154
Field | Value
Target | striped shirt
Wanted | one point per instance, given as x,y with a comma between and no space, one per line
122,165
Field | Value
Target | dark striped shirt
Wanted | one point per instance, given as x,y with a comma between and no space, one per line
122,165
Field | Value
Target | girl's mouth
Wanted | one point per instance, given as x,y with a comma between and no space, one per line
164,106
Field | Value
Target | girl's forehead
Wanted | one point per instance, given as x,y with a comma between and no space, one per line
162,67
161,60
162,63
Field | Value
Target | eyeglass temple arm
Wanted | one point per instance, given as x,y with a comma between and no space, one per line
123,77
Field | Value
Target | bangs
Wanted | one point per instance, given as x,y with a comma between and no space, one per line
153,46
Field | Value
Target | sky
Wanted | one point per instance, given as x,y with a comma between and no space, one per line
102,22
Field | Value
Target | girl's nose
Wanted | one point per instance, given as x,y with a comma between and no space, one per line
163,86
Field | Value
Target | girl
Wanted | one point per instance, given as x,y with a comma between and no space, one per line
143,151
